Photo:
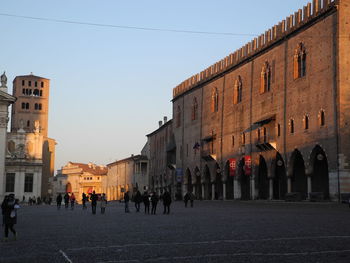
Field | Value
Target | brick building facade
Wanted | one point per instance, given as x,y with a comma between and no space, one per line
270,121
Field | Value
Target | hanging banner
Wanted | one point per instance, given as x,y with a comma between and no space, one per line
232,163
247,165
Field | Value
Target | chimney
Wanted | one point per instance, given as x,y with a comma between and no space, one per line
165,119
160,123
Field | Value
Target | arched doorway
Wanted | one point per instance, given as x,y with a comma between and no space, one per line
244,181
198,183
207,183
189,180
218,184
68,188
299,179
263,181
280,179
229,182
320,177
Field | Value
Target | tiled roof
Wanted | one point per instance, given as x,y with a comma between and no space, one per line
93,169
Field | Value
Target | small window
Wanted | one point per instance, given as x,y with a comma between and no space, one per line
194,109
27,91
237,91
23,82
299,61
214,100
41,93
36,84
28,123
243,138
10,182
42,84
27,106
265,134
29,83
28,183
233,141
306,122
98,178
24,91
23,106
291,126
278,130
40,106
36,106
258,134
265,78
322,118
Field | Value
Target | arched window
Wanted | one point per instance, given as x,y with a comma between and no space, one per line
194,109
27,106
243,138
299,61
237,91
178,117
233,141
306,122
265,78
322,118
40,106
36,92
291,123
28,123
36,107
214,100
23,105
278,130
23,91
41,93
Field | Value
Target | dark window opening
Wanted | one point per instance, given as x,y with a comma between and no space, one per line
28,183
10,182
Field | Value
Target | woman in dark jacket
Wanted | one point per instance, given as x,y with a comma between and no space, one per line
145,199
9,208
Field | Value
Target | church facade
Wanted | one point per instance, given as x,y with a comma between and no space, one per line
270,121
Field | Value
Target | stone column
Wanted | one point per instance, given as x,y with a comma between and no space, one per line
212,191
270,188
203,192
183,189
309,186
252,187
289,184
236,189
224,191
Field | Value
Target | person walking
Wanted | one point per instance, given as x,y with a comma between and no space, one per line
145,199
93,199
72,201
186,198
166,202
191,198
126,201
138,200
9,209
83,200
66,200
3,209
59,201
154,201
103,202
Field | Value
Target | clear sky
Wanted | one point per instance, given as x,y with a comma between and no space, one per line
110,86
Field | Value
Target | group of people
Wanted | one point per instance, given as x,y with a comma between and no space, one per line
9,208
147,200
94,198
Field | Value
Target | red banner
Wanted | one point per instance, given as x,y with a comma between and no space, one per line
247,165
232,163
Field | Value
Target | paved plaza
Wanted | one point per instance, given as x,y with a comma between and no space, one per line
212,231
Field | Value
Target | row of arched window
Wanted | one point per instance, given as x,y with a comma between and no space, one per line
37,106
30,83
266,80
306,121
30,92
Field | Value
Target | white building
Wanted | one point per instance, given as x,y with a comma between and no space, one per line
5,101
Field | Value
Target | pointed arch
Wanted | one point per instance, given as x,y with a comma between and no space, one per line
319,171
214,100
237,91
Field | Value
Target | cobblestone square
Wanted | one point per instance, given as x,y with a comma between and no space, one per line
212,231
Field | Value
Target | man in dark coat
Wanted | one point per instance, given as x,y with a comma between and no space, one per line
138,200
145,199
154,200
126,201
66,200
59,201
166,202
83,200
93,199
